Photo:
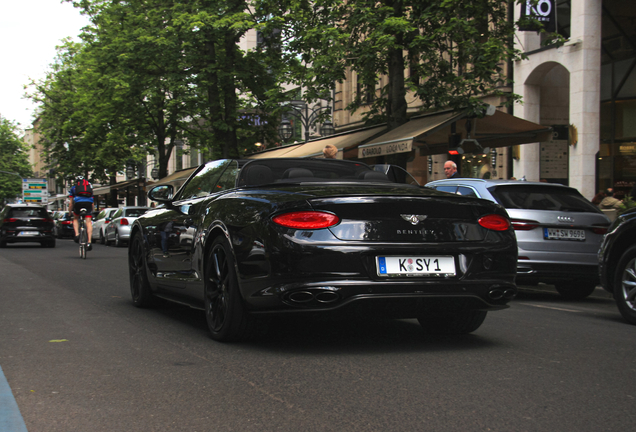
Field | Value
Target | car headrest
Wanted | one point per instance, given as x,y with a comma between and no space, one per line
258,175
374,176
297,173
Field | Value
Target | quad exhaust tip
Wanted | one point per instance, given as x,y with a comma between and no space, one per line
320,295
498,294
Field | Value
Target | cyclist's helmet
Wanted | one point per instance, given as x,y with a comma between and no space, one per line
79,177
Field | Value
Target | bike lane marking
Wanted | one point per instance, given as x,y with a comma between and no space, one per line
10,418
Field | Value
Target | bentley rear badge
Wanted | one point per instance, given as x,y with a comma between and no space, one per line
414,219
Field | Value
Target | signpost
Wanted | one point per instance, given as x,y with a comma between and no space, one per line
35,191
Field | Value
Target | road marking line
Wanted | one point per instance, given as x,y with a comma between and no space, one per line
10,418
549,307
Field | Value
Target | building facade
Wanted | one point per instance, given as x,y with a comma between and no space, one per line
586,86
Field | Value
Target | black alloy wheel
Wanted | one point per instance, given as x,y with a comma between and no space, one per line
625,285
224,310
575,290
139,285
452,322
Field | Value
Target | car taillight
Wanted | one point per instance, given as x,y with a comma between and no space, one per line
123,221
599,230
67,223
10,220
307,220
524,225
494,222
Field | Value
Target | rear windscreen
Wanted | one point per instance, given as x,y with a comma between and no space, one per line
28,213
135,212
533,197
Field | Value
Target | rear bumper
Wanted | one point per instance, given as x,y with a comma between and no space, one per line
12,238
530,272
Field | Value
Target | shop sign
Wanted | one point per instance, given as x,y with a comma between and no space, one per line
627,148
542,13
385,149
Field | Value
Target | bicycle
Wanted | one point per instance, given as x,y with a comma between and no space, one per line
83,234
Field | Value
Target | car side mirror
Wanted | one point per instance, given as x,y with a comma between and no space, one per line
161,193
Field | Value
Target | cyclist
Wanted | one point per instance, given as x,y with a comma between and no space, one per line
81,196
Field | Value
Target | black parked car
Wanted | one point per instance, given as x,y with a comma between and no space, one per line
64,226
243,239
26,223
617,263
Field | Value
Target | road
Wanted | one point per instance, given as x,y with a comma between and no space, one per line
79,357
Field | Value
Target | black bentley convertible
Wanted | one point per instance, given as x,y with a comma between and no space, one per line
244,239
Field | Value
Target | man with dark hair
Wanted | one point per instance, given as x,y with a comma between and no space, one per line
609,202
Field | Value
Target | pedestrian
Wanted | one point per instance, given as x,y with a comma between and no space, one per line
609,202
598,198
330,151
450,169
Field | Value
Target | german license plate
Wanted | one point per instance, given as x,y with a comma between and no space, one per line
28,233
416,265
563,234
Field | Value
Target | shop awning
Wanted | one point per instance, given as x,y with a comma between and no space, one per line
176,177
275,152
103,190
340,141
431,133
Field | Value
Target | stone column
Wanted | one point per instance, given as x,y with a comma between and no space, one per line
584,52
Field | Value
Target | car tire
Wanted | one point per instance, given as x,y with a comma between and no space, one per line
452,323
140,291
575,290
225,313
102,240
3,244
625,285
118,241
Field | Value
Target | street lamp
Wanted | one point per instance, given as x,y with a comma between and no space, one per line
307,117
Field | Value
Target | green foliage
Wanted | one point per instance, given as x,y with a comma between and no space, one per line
454,50
14,162
627,204
151,72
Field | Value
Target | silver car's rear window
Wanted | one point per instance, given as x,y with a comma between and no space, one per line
533,197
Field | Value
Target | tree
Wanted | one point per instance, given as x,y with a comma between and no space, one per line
454,50
14,161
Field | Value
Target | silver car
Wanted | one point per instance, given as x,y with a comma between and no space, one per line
118,229
100,222
558,231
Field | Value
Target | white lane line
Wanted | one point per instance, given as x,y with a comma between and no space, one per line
10,418
548,307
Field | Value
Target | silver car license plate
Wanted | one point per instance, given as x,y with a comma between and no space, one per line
415,265
563,234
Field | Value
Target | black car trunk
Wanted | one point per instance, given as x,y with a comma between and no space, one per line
407,219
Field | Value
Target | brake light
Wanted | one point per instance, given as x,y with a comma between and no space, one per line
524,225
307,220
10,220
599,230
494,222
123,221
67,223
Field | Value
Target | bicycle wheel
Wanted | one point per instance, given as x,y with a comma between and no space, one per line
82,252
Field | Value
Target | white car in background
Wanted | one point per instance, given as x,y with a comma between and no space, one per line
100,222
118,229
